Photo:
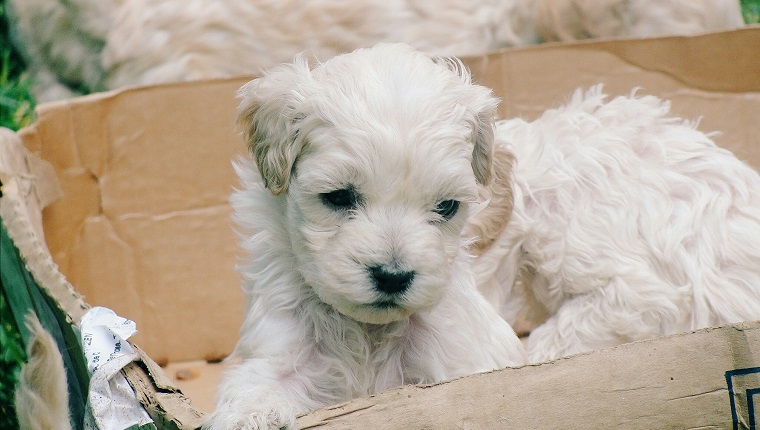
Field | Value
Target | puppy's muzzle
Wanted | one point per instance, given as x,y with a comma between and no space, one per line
391,282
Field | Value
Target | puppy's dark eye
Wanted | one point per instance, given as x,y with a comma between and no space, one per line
342,199
447,209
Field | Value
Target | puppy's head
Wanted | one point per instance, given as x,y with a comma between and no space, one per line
378,154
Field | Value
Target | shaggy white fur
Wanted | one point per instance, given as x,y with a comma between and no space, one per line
358,279
42,396
106,44
628,223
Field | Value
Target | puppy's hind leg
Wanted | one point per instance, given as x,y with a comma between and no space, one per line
624,310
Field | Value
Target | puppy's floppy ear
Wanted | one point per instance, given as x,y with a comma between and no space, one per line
482,153
481,107
269,115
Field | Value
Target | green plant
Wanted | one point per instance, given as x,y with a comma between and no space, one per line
11,357
16,100
751,11
16,111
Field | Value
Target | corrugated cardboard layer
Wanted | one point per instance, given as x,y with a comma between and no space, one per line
677,382
144,225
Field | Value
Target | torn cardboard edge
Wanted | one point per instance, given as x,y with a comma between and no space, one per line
25,178
167,405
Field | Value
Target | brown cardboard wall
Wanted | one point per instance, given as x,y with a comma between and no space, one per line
715,77
144,225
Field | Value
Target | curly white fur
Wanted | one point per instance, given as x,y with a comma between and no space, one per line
628,223
106,44
404,135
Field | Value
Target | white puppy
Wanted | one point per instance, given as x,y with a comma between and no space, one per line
358,279
628,223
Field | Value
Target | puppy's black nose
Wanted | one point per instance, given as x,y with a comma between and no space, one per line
391,282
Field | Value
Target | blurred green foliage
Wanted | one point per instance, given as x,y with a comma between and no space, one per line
16,111
11,357
16,101
751,11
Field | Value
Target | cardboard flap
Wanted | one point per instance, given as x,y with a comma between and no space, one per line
693,380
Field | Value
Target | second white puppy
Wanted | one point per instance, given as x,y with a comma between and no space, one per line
628,223
358,279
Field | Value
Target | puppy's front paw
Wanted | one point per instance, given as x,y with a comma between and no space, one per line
254,416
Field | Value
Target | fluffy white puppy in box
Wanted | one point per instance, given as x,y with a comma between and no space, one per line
628,223
358,278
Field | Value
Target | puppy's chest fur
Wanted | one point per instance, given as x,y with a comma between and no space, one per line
362,359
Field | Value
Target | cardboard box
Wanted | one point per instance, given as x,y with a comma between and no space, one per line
144,229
